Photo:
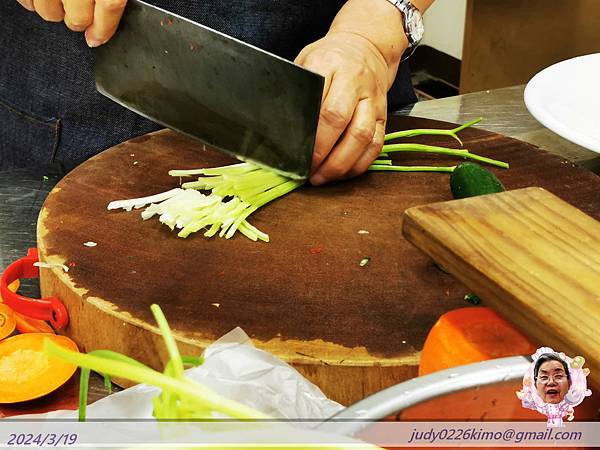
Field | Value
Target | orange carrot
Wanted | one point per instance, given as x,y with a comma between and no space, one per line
26,372
469,335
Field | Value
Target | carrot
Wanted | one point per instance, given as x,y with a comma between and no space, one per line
468,335
26,372
26,324
7,321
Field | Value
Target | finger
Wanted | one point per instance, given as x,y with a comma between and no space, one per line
107,14
79,14
335,115
372,152
27,4
356,139
49,10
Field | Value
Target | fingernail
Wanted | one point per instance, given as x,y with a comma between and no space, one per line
317,180
93,43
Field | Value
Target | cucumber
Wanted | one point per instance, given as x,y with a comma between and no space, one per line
470,179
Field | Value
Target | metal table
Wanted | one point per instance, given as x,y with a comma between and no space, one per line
503,111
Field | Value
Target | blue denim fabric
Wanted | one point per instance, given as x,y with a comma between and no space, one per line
49,108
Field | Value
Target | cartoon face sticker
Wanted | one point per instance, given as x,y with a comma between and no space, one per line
554,384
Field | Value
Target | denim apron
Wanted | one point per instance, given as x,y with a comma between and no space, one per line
50,111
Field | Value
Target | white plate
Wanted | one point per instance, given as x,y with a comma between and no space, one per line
565,98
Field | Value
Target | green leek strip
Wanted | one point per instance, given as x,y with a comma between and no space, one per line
241,189
214,228
202,185
108,384
383,162
223,189
166,405
263,199
259,176
246,232
276,192
234,168
376,167
251,193
193,361
184,387
163,326
249,230
425,131
84,377
420,148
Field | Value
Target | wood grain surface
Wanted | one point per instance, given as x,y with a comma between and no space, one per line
352,330
530,255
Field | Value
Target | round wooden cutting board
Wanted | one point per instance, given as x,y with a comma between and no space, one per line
304,296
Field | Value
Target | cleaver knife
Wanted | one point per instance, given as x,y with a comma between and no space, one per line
229,95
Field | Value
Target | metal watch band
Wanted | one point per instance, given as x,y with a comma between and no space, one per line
411,18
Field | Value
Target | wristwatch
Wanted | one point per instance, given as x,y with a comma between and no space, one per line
413,24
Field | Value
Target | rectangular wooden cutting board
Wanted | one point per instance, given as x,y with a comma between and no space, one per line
530,255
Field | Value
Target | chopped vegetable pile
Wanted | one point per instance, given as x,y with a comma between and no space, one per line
239,190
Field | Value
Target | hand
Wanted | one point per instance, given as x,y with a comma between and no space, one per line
97,18
354,107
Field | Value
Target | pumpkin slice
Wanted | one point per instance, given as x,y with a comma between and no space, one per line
7,321
25,370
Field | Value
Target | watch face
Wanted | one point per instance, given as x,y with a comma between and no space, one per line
415,26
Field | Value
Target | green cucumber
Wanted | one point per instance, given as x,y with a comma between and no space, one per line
470,179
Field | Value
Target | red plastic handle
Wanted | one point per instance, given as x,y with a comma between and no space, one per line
49,308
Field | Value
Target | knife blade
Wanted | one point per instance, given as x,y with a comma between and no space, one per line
228,94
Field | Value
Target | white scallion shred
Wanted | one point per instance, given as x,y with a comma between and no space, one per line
90,244
128,205
46,265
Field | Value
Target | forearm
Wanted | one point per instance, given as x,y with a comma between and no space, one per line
381,24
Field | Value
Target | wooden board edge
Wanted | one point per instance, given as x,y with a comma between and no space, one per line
57,283
496,298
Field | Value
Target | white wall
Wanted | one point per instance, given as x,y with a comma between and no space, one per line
445,26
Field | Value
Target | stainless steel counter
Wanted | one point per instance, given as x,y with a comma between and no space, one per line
503,111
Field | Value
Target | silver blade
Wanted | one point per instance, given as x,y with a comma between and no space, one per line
228,94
